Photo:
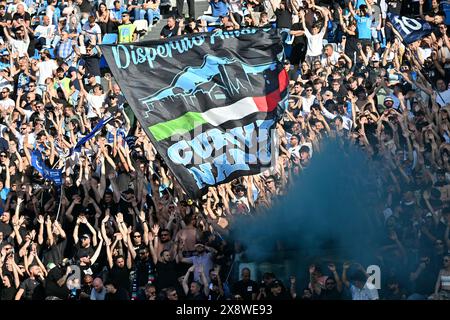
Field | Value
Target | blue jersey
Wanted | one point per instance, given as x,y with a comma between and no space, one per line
363,27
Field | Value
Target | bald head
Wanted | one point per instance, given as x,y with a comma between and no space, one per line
98,284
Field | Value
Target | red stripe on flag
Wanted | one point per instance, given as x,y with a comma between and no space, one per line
269,102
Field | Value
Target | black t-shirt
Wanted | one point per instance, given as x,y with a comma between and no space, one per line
245,289
394,6
83,252
284,18
167,33
8,293
120,294
351,46
85,6
143,270
7,17
166,274
6,229
25,16
33,289
55,253
52,287
298,40
199,297
330,295
121,276
424,284
92,64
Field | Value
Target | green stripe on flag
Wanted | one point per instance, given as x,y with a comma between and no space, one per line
181,125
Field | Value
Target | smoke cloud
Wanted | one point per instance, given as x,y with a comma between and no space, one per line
328,214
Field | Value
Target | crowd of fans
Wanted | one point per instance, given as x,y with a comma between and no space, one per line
122,228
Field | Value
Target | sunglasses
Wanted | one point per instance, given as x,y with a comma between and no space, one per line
309,90
137,236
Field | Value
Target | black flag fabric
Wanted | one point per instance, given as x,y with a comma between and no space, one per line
208,101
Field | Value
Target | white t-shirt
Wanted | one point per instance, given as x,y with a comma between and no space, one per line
442,98
7,104
45,31
20,46
46,69
307,103
91,32
315,45
12,8
5,84
334,59
94,103
20,137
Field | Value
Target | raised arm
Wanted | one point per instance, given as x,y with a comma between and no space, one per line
186,280
345,281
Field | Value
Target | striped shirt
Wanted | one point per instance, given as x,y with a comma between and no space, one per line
65,49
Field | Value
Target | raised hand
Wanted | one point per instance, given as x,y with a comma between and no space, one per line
105,219
40,219
332,267
141,216
155,229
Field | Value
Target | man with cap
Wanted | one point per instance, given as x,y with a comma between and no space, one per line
203,259
56,281
83,244
277,291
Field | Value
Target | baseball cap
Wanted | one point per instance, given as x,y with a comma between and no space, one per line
388,99
85,236
287,61
88,75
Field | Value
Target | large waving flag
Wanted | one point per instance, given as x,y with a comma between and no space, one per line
91,134
208,102
51,174
410,29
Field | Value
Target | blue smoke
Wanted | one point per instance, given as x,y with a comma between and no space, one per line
330,212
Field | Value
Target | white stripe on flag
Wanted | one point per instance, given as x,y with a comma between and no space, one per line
235,111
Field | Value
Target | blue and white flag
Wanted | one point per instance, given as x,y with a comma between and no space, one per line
410,29
91,134
51,174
